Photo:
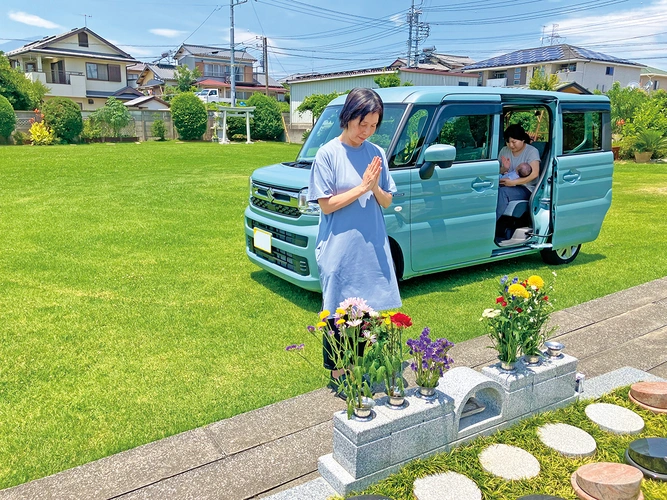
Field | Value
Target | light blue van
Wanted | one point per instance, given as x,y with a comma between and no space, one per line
442,146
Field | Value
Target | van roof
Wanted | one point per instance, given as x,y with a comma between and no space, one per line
434,95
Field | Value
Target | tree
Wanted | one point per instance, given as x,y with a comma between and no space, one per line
390,80
315,103
267,122
185,78
64,117
189,115
21,93
114,116
540,81
7,118
625,102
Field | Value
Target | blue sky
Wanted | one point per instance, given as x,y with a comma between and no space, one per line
325,35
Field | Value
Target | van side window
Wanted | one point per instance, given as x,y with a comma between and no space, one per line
470,134
412,137
582,132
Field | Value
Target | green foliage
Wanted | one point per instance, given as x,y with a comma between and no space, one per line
7,117
189,115
649,140
386,81
64,117
112,118
283,106
159,130
23,94
91,129
625,102
540,81
41,134
185,79
315,103
21,138
267,122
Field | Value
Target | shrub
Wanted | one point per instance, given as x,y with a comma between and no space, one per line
159,130
189,115
7,118
64,117
21,138
41,134
91,129
113,117
267,121
236,127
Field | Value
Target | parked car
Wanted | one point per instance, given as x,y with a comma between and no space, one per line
442,146
211,95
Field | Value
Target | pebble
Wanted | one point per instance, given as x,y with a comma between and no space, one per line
614,418
509,462
568,440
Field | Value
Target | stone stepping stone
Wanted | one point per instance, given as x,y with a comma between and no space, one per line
540,497
509,462
446,486
614,418
607,481
650,396
568,440
649,455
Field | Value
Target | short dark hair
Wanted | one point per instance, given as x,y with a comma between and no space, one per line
516,131
359,103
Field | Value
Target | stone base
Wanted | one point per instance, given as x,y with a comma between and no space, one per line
607,481
647,407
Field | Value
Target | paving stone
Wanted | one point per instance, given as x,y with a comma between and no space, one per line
316,489
597,386
446,486
605,480
509,462
566,439
650,393
614,418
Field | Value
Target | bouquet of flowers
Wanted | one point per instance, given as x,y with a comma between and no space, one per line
517,322
389,351
430,358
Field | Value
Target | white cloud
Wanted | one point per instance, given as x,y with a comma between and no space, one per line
32,20
169,33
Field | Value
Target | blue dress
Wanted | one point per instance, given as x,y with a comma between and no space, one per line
352,252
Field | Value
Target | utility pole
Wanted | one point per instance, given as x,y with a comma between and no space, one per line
265,63
411,16
232,4
418,32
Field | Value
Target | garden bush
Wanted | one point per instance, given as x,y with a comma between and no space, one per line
64,117
112,118
91,130
159,130
189,115
236,127
7,118
267,122
41,134
21,138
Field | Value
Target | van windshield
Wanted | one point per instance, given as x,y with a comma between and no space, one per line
327,128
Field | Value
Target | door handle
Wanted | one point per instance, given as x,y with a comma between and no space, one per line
479,184
571,177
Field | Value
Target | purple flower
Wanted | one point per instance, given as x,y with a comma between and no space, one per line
504,279
515,280
311,328
295,347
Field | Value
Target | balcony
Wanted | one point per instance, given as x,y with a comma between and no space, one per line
61,77
66,84
496,82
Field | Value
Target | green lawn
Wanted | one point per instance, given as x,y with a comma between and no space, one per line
130,312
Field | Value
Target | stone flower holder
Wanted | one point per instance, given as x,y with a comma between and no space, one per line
467,404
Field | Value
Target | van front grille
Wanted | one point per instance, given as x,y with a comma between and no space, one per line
281,258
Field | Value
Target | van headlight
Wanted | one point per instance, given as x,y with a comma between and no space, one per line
307,207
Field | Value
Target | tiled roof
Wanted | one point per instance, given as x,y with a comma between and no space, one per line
203,50
648,70
549,53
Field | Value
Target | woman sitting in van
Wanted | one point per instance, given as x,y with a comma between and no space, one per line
517,150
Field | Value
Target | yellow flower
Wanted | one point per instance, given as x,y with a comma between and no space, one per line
387,321
341,321
536,281
518,291
340,311
321,324
324,314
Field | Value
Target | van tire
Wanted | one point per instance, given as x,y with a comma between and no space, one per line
560,255
397,258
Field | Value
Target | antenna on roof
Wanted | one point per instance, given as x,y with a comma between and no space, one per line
85,19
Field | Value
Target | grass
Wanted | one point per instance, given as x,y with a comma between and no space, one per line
554,477
129,311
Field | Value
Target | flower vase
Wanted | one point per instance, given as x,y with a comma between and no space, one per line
532,359
396,398
364,410
508,366
426,392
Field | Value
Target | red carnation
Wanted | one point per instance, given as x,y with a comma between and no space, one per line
402,320
518,309
546,297
501,300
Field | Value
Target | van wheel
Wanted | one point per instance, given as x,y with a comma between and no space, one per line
397,259
560,255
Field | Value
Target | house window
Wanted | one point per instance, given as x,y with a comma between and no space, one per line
216,70
463,84
517,82
517,71
30,67
499,74
83,39
609,71
568,67
106,72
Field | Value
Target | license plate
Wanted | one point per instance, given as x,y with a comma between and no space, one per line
262,240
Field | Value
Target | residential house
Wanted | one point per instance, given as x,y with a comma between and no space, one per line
431,69
153,78
653,78
592,70
214,63
79,64
147,102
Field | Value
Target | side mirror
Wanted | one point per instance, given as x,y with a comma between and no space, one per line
442,155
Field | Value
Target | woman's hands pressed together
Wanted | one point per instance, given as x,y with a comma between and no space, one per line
371,177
